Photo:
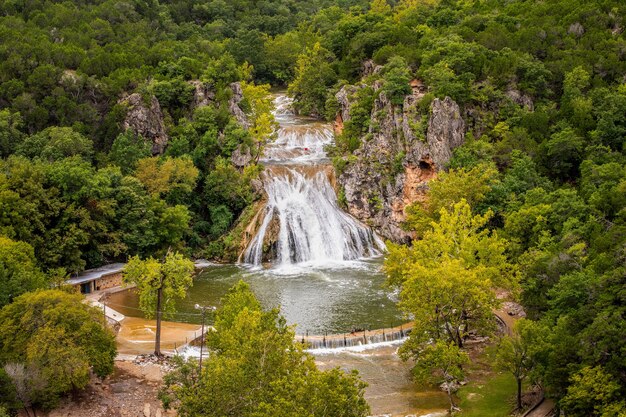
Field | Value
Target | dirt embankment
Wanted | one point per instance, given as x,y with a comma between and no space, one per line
130,392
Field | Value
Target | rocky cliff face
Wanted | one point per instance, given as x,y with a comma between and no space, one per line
146,119
402,151
233,105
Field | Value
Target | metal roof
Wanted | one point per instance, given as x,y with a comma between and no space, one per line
96,273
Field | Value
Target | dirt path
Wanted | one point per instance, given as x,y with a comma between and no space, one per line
130,392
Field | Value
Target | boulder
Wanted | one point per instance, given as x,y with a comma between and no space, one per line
144,118
233,105
240,157
202,94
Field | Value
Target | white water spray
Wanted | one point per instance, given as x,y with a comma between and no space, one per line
312,227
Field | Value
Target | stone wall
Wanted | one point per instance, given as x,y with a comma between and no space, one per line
108,281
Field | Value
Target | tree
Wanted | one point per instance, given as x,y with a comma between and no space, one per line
515,352
159,284
255,368
173,178
55,143
448,188
127,150
396,79
314,75
380,7
50,341
18,270
593,392
438,363
10,134
447,278
259,106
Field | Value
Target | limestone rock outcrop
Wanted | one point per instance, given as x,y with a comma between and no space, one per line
144,118
234,108
202,94
241,156
401,153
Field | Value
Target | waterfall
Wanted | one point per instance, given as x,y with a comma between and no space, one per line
302,221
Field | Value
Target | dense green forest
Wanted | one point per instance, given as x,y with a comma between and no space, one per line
541,178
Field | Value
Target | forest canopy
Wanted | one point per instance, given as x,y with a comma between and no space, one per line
86,178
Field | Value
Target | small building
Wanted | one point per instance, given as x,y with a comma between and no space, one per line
98,279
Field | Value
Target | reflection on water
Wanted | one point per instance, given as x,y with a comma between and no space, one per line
334,299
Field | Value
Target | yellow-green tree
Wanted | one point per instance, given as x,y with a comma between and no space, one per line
259,111
516,353
449,188
256,369
168,177
159,285
440,363
50,343
380,7
447,279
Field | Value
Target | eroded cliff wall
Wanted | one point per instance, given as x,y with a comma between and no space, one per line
403,150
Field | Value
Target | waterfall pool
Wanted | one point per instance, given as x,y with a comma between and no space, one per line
330,299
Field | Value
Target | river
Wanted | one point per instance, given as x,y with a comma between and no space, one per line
322,267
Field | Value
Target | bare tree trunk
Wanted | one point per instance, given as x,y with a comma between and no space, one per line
157,342
519,393
449,392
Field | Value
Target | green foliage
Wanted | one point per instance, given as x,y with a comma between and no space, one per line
450,187
127,150
541,90
447,278
263,126
255,368
55,143
11,135
171,178
439,363
593,393
396,79
359,122
172,278
517,353
229,185
314,75
49,343
159,285
18,270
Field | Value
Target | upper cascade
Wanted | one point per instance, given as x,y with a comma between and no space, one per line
302,221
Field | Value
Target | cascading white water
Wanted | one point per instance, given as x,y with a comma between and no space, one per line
312,226
301,200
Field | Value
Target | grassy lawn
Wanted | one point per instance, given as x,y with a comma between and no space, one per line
491,398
